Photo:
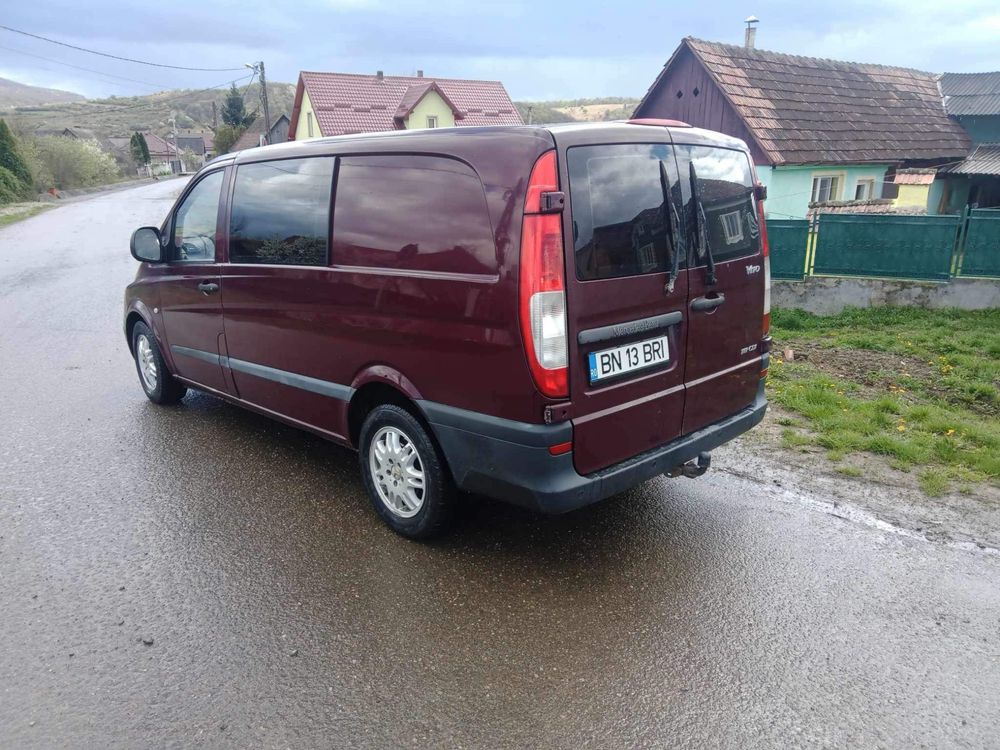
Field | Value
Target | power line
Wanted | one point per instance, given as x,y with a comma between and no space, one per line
156,86
117,57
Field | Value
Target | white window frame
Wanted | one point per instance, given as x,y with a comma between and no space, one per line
309,123
647,256
868,183
432,121
836,187
732,227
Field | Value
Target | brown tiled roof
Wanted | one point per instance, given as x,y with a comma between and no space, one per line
349,103
805,110
915,176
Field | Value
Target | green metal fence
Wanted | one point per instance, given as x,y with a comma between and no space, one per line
906,247
788,240
981,247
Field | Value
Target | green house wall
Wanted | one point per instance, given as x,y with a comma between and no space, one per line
789,189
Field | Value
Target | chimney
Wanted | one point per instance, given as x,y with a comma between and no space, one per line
379,75
420,74
750,39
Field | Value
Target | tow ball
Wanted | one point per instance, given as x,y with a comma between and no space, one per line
694,468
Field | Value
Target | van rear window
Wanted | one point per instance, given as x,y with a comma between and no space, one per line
725,187
620,221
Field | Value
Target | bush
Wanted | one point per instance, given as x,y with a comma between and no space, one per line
10,187
68,163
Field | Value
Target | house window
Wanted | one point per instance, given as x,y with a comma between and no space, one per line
309,123
432,121
826,188
647,257
732,227
864,190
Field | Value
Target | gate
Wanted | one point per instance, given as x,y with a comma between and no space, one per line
788,240
901,247
981,251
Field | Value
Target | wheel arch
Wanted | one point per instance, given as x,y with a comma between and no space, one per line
377,385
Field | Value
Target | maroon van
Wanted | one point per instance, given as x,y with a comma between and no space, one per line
545,315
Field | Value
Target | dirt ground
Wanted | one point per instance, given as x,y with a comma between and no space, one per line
890,496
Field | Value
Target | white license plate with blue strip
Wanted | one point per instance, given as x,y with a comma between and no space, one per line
610,363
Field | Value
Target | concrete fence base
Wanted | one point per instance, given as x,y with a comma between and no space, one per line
828,295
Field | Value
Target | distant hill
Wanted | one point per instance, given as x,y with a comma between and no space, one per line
119,116
14,94
579,110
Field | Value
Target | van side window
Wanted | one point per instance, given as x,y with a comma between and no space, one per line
413,213
725,184
281,212
195,222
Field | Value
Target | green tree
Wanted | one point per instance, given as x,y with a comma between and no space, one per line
144,147
225,137
11,158
234,111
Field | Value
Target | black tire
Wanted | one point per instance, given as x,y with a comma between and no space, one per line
165,388
438,497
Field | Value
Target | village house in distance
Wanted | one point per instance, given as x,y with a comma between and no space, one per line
345,103
820,131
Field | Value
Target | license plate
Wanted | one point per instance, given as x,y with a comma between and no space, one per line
609,363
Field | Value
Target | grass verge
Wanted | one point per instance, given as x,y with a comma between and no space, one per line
918,387
17,213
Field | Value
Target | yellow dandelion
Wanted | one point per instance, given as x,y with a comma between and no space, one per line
901,428
950,432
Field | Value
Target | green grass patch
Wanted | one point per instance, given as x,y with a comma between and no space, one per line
918,387
18,214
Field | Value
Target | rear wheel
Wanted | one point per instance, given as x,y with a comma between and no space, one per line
160,386
405,474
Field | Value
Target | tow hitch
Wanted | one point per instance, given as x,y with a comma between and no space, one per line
693,468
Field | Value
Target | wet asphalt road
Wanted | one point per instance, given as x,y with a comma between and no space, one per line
711,613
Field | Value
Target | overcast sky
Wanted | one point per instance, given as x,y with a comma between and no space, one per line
540,49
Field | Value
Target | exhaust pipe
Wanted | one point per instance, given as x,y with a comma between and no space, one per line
694,468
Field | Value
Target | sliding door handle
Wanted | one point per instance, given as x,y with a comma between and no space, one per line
208,287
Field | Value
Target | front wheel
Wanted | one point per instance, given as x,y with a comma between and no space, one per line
160,386
405,474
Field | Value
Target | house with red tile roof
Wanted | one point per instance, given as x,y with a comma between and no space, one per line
344,103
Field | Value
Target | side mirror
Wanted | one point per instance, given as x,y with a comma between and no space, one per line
146,246
760,191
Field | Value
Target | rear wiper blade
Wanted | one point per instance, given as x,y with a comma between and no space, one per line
701,229
673,226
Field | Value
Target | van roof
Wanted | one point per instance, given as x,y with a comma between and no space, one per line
680,133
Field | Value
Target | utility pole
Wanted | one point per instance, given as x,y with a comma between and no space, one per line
258,67
263,96
215,117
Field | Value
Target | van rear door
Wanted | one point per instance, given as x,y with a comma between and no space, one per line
627,290
727,282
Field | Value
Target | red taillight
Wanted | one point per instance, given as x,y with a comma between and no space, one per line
543,284
766,251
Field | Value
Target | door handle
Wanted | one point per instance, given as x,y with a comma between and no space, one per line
208,287
707,303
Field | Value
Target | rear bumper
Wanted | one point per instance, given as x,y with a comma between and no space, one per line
510,460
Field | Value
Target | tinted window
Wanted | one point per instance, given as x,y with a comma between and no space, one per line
195,222
416,213
281,212
621,225
724,181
